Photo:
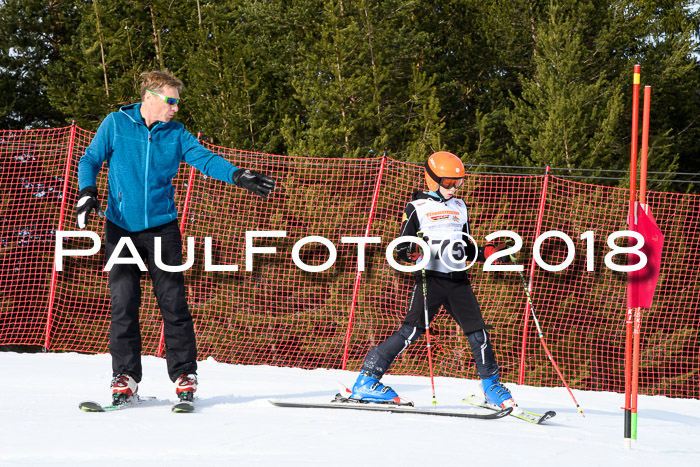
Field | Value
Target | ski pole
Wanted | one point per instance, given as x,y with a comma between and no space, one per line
541,336
427,335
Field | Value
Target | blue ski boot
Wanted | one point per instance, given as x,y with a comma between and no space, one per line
496,393
368,388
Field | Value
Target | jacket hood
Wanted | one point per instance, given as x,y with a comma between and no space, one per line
133,111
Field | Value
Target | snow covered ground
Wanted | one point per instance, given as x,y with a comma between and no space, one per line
235,425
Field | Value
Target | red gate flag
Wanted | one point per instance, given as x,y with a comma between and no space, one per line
641,284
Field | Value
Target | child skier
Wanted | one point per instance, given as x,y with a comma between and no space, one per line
439,219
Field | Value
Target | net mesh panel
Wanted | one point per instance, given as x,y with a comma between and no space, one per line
32,166
279,314
80,315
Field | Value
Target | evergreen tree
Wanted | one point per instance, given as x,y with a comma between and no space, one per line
503,51
668,54
237,74
331,84
113,44
31,33
424,125
356,83
505,82
569,113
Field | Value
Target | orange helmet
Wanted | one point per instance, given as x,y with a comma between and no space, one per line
444,168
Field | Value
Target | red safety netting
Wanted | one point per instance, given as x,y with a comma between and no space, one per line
281,315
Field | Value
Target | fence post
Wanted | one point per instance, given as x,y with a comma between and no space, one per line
54,276
185,208
358,277
526,316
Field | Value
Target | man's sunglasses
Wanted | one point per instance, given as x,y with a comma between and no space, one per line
168,100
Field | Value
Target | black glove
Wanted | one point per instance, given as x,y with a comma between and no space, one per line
255,182
87,202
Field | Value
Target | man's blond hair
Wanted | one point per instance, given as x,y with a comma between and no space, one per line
157,80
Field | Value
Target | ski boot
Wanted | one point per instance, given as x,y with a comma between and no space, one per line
185,387
496,393
124,389
367,388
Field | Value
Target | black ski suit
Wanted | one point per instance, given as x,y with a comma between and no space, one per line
438,221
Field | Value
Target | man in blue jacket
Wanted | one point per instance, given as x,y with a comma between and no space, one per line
143,148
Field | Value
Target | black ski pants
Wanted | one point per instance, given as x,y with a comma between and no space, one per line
458,299
169,289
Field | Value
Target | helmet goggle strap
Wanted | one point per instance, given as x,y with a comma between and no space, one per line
445,182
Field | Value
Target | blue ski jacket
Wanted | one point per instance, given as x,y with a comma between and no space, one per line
142,164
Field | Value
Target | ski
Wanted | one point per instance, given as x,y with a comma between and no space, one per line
183,407
186,403
346,392
341,402
519,413
90,406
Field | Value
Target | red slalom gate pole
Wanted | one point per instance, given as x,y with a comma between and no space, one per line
631,220
638,314
635,369
645,149
635,135
628,377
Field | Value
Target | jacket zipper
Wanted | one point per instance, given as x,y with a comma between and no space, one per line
145,181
